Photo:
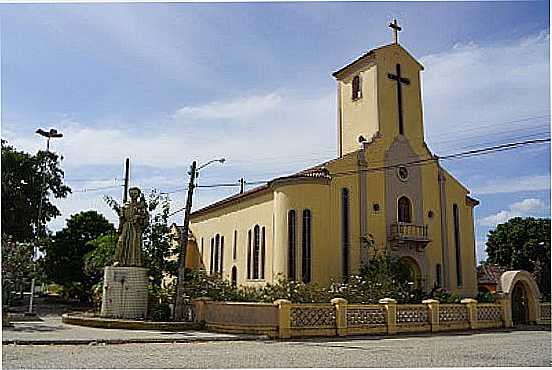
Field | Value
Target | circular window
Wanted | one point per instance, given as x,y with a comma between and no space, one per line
402,173
430,214
376,207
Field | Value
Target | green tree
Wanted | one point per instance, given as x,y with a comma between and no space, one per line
26,179
64,262
17,267
523,243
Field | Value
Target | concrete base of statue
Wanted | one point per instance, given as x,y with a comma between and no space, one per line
125,292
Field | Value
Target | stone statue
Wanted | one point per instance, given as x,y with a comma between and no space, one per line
133,219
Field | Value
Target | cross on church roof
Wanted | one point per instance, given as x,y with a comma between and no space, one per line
396,28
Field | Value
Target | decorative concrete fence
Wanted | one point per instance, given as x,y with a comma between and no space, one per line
284,319
544,313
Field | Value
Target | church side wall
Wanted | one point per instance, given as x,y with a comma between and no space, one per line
456,194
242,216
351,183
299,197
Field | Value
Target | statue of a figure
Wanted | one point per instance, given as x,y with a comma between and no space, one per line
133,219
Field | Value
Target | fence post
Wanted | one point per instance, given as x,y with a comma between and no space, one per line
340,315
471,307
200,305
505,309
433,313
284,318
390,306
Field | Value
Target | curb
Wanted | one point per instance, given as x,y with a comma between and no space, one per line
109,323
95,342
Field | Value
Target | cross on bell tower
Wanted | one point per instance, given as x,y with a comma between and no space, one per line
396,28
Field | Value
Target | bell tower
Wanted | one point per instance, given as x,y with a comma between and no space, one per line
379,95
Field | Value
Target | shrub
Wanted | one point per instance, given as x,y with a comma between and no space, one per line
485,297
161,312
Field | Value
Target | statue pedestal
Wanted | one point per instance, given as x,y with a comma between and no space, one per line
125,292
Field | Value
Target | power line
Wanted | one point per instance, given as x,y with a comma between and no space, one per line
452,156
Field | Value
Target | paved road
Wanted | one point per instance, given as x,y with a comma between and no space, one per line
516,348
52,329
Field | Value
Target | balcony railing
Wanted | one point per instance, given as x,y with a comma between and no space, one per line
402,231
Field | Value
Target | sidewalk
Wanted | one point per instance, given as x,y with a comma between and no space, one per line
52,331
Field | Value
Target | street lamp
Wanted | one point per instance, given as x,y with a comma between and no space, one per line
179,304
53,133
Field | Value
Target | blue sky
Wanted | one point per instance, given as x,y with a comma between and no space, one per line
169,83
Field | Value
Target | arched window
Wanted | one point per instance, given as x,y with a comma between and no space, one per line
217,250
292,239
256,250
234,276
458,255
404,210
212,260
221,254
356,93
306,261
249,254
235,245
345,239
263,251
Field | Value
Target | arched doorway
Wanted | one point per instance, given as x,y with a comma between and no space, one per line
234,276
404,210
413,271
520,304
520,287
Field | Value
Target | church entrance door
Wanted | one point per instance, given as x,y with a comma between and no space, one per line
520,305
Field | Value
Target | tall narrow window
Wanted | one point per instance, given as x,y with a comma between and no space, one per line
345,239
221,253
438,276
249,254
212,260
306,265
356,87
291,244
201,248
235,245
456,218
404,210
217,250
256,249
234,276
263,251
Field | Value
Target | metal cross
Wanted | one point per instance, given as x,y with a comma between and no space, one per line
400,80
396,28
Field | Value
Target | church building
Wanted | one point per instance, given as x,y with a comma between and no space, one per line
385,190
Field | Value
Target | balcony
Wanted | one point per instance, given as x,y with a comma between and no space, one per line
411,234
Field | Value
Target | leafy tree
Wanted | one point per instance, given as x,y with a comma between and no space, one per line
17,267
523,243
26,179
64,261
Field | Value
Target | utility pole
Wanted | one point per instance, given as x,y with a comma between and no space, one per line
179,306
127,175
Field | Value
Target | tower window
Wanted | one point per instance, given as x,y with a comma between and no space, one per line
235,245
357,93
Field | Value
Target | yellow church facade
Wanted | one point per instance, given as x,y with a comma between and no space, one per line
385,190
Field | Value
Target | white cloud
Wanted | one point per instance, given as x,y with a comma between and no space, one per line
513,185
480,250
527,207
242,108
472,93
